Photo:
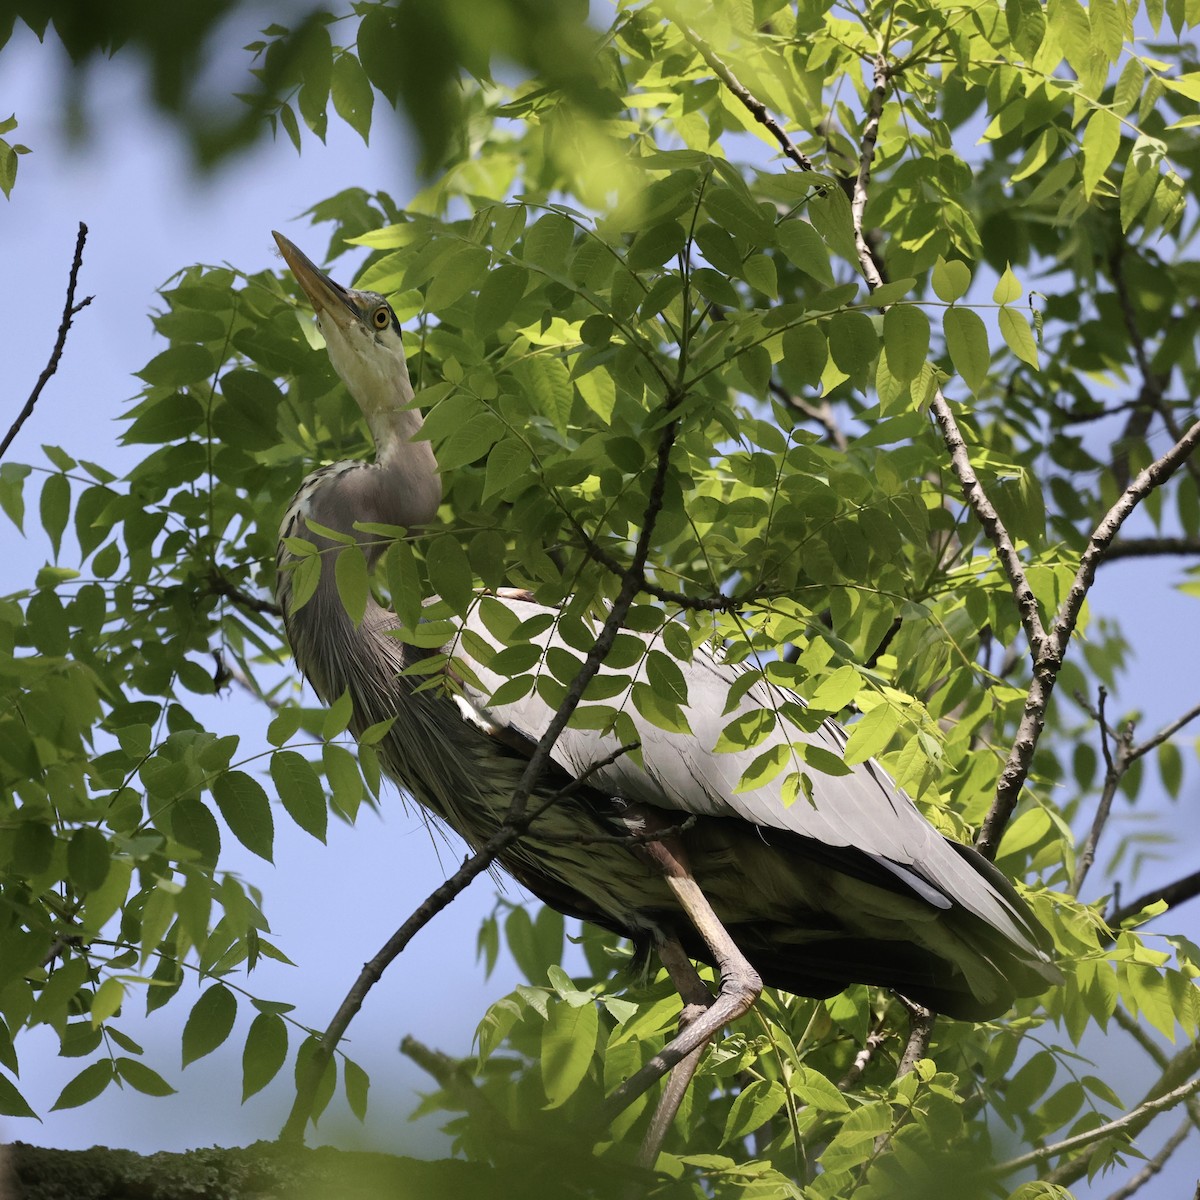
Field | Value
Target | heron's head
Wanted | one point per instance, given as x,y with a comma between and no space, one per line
361,334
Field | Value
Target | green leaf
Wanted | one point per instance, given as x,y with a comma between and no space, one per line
87,1085
450,572
951,279
1170,767
338,715
1008,288
906,340
209,1023
143,1078
1018,336
179,366
805,249
837,690
568,1045
357,1084
353,582
195,826
871,733
107,1001
300,792
966,340
353,97
459,272
88,858
853,343
12,483
264,1053
755,1105
499,294
249,417
12,1103
55,508
246,810
656,245
1101,139
817,1092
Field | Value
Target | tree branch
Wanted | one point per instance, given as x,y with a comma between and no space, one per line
754,106
1133,1121
1149,547
858,200
1175,893
69,311
1048,655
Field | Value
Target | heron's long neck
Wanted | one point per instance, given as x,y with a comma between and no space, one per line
402,488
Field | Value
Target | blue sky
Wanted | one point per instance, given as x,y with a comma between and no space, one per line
332,907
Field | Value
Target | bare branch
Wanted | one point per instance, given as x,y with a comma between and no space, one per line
218,585
858,201
1114,772
993,526
862,1060
1165,733
1133,1121
1048,654
1175,893
1151,547
1154,476
920,1030
754,106
69,311
1174,1084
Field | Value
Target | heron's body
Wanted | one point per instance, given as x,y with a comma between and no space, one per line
854,886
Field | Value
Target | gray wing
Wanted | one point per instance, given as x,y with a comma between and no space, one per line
863,809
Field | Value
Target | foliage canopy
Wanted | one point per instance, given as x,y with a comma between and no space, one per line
797,231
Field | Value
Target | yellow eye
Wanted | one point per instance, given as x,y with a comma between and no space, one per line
382,317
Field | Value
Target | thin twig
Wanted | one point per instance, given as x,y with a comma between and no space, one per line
1177,1082
518,818
1132,1121
1166,732
753,105
69,311
1115,768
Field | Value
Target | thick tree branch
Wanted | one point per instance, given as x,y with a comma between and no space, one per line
1151,547
1175,893
1048,655
517,820
858,200
69,311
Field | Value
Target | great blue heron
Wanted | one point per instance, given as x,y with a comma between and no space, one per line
854,886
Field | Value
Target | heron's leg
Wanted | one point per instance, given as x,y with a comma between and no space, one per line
740,983
697,999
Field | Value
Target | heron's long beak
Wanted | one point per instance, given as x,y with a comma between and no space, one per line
325,295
